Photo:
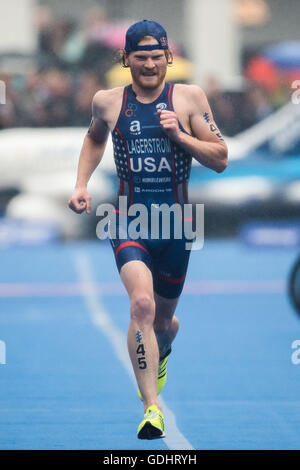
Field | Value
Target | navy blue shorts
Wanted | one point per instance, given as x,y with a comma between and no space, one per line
166,259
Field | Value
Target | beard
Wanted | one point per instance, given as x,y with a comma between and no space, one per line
148,80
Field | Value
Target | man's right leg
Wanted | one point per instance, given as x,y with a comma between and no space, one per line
142,343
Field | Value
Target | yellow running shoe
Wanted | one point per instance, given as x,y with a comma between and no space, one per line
153,424
162,374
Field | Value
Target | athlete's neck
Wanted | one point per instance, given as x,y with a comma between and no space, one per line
147,95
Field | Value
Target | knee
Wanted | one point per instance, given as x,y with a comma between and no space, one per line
142,309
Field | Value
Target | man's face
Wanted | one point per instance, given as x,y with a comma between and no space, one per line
148,68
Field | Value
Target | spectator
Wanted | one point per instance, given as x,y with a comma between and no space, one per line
89,84
8,110
59,102
32,99
223,108
259,102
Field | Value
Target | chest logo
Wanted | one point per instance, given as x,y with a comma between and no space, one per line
161,106
131,108
129,112
135,127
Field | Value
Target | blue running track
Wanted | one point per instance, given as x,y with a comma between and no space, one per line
231,381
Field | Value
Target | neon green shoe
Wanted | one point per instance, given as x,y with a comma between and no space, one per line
162,374
153,424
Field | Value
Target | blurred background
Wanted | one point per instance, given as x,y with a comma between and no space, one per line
54,55
63,309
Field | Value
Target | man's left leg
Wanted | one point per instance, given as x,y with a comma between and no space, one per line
168,280
166,325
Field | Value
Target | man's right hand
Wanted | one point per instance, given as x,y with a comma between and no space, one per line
80,201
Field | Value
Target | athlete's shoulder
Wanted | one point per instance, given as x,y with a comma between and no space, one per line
104,98
190,91
191,97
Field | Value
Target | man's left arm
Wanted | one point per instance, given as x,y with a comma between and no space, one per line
207,144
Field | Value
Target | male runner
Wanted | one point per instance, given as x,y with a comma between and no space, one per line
156,129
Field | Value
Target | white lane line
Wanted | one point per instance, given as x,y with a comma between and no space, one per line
73,289
200,403
174,439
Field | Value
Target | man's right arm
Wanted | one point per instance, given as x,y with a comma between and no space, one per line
90,156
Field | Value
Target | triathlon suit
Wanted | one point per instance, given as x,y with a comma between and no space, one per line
152,170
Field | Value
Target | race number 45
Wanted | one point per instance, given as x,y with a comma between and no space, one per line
141,359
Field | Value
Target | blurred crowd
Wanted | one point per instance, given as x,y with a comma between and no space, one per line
238,108
60,79
49,98
70,65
